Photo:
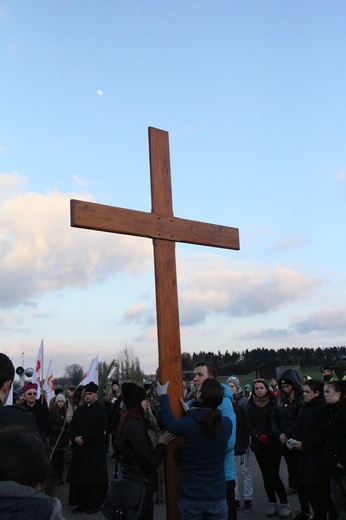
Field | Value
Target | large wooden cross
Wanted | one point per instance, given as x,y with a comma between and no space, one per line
165,229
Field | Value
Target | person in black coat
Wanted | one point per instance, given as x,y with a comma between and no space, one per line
309,434
283,420
38,408
88,475
12,414
335,448
265,446
139,459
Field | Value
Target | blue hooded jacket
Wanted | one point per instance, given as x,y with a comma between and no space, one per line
202,475
227,410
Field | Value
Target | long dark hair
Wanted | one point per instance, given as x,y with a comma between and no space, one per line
211,396
56,412
24,459
135,412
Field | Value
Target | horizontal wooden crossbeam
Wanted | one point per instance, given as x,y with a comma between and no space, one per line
112,219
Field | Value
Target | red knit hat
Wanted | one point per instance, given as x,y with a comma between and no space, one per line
30,386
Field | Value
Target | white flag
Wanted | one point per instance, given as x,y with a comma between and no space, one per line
9,401
48,384
37,377
93,373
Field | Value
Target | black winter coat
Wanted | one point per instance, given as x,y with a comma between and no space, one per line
138,459
41,414
285,414
335,448
259,422
310,430
17,414
88,464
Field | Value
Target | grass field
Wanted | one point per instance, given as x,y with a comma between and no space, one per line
244,379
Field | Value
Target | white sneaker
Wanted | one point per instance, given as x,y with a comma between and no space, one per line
285,511
273,510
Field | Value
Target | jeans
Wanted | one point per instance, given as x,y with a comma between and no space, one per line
193,510
243,468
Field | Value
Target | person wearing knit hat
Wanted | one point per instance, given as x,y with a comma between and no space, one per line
10,414
88,473
38,409
242,460
58,437
30,386
133,395
233,381
138,458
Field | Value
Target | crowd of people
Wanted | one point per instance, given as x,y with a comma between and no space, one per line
300,422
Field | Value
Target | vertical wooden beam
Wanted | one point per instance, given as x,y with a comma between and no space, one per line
168,326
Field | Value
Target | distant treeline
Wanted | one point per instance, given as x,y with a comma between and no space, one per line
248,360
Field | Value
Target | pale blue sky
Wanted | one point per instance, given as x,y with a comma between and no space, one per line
252,94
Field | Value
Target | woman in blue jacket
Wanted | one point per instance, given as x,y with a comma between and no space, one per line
206,433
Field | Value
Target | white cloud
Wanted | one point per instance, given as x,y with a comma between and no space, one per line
210,286
40,252
10,183
324,320
262,334
141,315
217,288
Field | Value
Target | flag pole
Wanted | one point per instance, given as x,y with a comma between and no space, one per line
41,378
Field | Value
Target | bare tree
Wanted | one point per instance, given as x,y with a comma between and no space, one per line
74,373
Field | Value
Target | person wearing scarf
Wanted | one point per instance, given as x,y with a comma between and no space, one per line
265,447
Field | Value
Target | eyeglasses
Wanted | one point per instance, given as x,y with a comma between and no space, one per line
31,393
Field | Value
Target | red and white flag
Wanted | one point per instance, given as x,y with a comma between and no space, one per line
48,384
93,373
38,376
